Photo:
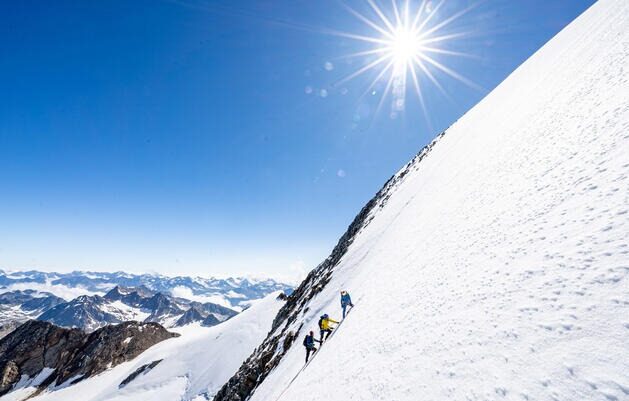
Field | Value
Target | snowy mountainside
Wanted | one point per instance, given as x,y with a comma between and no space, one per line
234,293
287,325
190,367
499,266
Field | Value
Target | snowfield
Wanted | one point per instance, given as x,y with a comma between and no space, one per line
193,366
125,312
499,268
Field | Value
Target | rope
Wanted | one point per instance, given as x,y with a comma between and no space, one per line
314,355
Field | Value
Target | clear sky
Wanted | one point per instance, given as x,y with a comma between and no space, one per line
219,137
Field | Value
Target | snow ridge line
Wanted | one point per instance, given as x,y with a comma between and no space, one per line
286,328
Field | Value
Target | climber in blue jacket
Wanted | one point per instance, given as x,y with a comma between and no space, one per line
309,343
346,301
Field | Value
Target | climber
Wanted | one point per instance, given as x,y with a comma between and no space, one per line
309,343
346,301
324,326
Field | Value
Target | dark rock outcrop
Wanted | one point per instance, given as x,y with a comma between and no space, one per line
270,353
139,371
10,375
32,347
72,353
112,345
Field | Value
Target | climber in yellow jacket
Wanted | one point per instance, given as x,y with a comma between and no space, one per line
325,326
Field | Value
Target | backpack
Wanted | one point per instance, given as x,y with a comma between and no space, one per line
321,323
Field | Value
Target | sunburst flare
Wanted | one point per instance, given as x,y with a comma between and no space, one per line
405,40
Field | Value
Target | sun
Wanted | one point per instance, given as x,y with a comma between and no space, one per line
405,42
404,47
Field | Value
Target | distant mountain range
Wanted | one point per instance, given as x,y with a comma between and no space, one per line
19,306
121,304
234,293
151,298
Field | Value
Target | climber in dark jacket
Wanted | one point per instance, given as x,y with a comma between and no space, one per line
346,301
309,343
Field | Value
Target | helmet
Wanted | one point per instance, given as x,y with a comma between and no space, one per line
325,316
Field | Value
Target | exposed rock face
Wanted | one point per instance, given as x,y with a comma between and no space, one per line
10,375
35,345
142,370
111,346
72,353
269,354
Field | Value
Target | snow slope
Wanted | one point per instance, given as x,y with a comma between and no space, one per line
194,365
499,267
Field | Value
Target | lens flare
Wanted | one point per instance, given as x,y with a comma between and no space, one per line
404,43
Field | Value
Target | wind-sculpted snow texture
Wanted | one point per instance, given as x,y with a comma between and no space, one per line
499,266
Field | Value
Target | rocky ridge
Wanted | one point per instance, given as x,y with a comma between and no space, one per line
40,354
281,337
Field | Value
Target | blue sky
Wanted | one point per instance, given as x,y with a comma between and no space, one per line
212,137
